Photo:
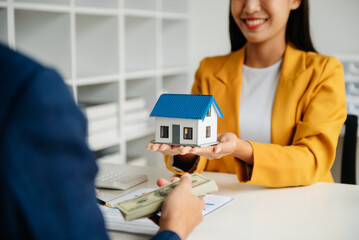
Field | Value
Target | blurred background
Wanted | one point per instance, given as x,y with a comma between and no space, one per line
118,56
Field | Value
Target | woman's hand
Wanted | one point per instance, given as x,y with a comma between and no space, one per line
165,149
226,146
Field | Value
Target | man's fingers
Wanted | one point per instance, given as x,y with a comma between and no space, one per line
162,182
186,181
202,202
174,179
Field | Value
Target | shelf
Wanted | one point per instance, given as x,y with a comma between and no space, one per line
145,88
141,74
175,6
116,57
175,70
174,16
140,13
175,83
351,78
352,88
348,58
114,158
140,40
3,26
43,7
112,4
46,37
93,60
141,4
136,160
175,43
104,141
108,154
140,132
98,93
97,80
53,2
96,11
137,148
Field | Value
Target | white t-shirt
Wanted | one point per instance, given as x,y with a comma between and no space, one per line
259,86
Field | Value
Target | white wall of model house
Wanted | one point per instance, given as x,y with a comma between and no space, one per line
190,123
198,126
208,121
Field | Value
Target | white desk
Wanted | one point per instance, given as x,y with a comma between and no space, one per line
320,211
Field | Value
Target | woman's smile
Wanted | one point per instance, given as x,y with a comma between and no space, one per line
254,23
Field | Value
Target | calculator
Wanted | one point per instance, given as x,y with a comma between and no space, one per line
119,180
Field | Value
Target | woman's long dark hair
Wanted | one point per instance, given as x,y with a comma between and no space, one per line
297,31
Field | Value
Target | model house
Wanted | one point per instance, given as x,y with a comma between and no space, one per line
185,119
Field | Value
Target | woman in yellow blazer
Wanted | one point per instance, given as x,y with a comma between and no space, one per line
308,110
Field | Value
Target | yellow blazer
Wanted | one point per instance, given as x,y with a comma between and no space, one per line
308,113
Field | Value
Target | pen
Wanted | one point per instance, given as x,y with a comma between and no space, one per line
103,203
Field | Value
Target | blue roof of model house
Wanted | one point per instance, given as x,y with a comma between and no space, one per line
184,106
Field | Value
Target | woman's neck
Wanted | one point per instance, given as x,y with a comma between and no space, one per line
260,55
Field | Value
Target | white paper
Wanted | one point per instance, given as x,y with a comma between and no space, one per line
115,222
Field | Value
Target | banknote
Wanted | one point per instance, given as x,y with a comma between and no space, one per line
150,203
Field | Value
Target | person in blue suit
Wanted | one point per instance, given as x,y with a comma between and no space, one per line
46,168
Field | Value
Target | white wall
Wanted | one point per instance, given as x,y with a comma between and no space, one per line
334,29
334,26
208,29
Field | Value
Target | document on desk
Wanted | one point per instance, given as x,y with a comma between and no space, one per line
115,222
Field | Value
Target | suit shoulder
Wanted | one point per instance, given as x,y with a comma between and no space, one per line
313,59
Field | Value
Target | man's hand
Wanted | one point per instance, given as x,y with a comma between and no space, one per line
181,211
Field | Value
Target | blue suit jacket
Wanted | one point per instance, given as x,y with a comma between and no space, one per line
46,169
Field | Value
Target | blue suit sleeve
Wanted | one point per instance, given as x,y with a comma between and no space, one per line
52,171
166,235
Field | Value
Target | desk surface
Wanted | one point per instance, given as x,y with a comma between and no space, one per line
320,211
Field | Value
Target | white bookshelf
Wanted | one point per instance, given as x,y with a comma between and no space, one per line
109,52
351,75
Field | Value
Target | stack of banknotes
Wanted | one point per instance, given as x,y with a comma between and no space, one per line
150,203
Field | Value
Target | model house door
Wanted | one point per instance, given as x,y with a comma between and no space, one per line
175,134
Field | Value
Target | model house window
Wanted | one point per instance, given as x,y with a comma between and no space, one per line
209,112
208,132
187,133
164,132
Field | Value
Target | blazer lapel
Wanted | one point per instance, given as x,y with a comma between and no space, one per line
294,76
229,89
